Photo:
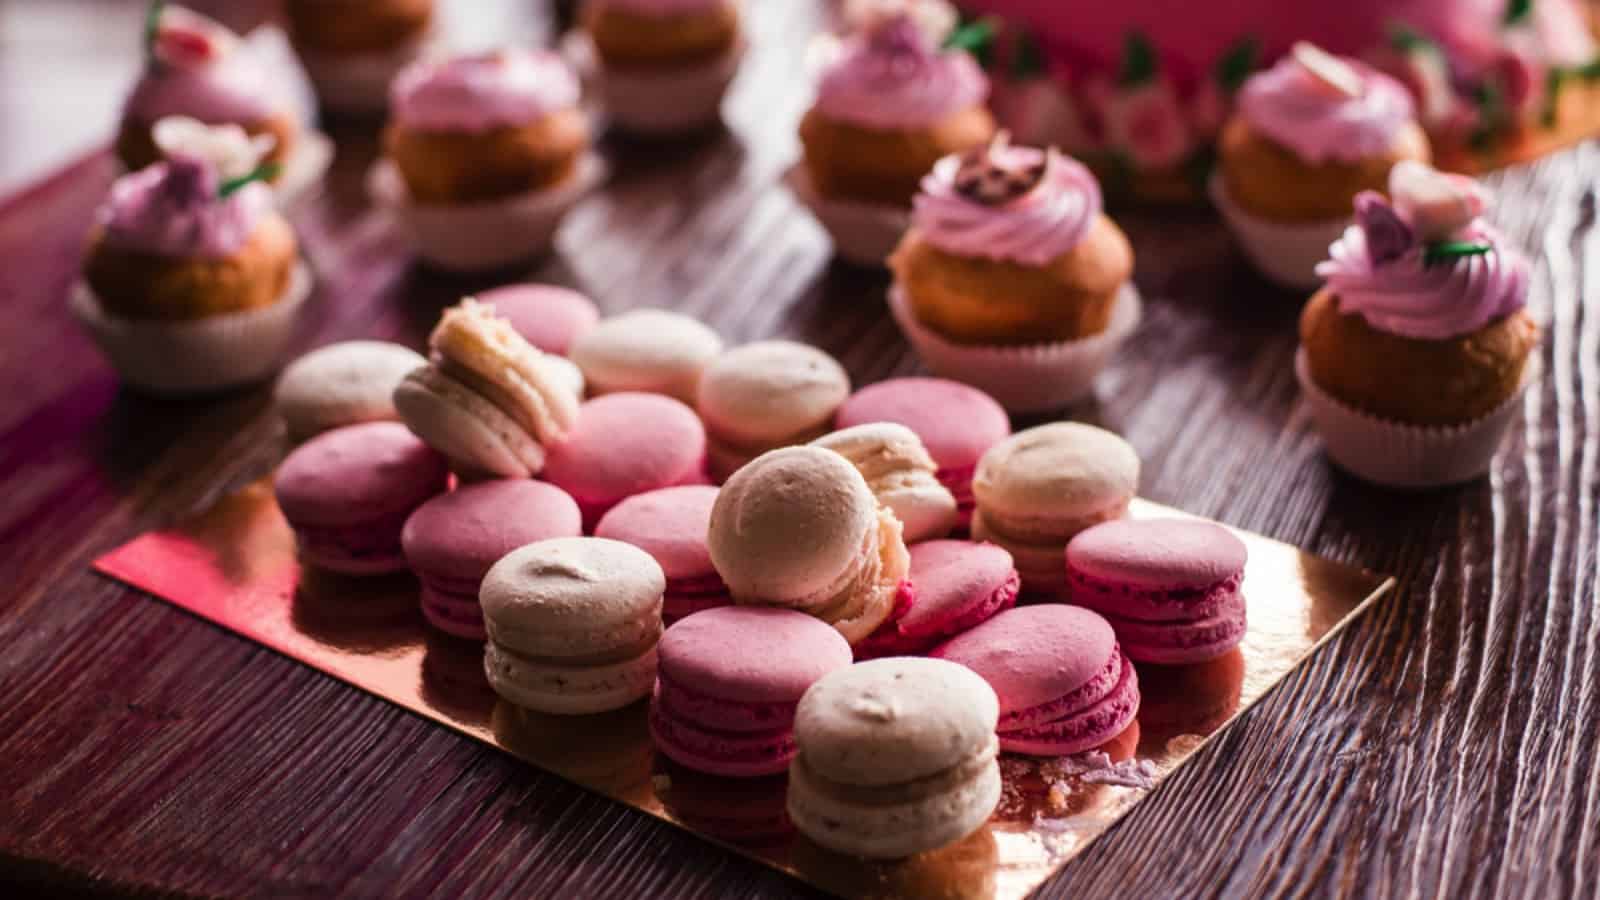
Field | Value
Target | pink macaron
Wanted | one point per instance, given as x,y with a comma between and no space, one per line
956,422
625,444
1170,587
546,315
1064,685
728,682
453,539
670,524
959,585
347,493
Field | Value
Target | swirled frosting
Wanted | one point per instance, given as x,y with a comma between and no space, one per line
172,209
1406,295
1290,104
894,77
1032,227
228,84
504,88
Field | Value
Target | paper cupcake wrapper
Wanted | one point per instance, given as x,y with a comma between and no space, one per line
1400,455
863,233
1026,378
1285,254
200,355
358,84
479,236
665,103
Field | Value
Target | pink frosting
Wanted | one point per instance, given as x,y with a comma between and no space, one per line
895,78
1032,229
1407,297
172,209
234,88
1287,104
483,91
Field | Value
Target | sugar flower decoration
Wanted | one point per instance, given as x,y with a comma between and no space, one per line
1438,204
184,39
934,18
229,149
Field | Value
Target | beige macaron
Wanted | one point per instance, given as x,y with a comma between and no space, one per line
573,624
650,350
900,473
896,756
766,395
346,383
799,528
1038,488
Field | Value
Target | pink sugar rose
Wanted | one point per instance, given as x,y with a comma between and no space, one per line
1148,123
1040,112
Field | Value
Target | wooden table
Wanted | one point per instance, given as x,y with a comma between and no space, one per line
1448,744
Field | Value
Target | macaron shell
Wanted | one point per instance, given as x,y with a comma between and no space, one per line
1158,553
768,392
547,316
745,754
928,511
954,579
670,524
1185,641
457,614
646,350
358,473
1083,729
1033,655
1064,471
573,598
1041,566
625,444
346,383
956,422
466,427
751,654
462,533
568,690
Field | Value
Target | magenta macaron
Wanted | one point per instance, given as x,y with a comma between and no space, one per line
347,493
453,539
728,683
959,584
956,422
670,524
1064,686
546,315
625,444
1170,587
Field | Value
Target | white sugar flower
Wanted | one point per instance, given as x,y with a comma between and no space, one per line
229,148
935,18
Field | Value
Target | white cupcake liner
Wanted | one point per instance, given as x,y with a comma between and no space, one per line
358,84
863,233
1400,455
1025,378
1285,253
200,355
666,103
479,236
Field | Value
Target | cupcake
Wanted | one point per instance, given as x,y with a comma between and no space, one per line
1011,278
664,64
1309,134
195,67
190,280
1413,354
353,49
890,106
484,155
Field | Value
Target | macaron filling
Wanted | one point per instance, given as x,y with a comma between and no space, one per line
1185,641
451,605
1077,728
889,639
734,753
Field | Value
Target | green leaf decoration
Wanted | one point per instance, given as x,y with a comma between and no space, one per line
1448,251
1554,80
1589,71
1237,64
1138,60
1407,40
152,27
1028,61
264,172
1517,12
975,37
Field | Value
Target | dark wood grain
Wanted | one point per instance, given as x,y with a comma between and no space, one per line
1447,745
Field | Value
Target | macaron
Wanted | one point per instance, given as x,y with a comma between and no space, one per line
670,524
347,383
347,494
728,682
1064,686
1038,488
766,395
488,400
799,528
900,473
626,444
957,424
896,757
1169,587
573,625
547,316
646,350
959,585
453,539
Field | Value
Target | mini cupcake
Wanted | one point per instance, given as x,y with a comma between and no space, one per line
190,281
665,64
353,49
1310,134
485,154
890,106
1011,278
1414,353
196,67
